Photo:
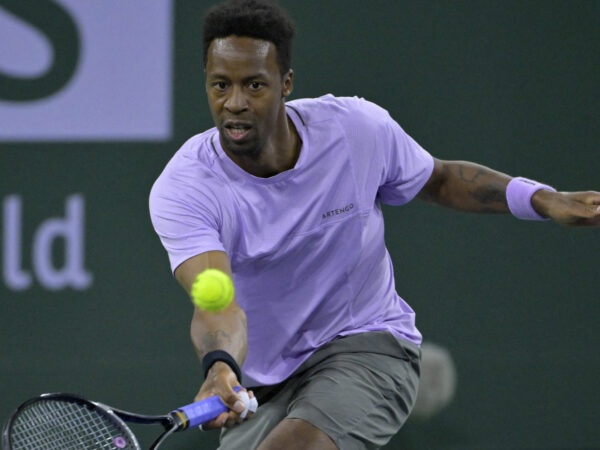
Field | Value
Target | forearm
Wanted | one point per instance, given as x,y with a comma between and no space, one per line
467,186
224,330
220,331
471,187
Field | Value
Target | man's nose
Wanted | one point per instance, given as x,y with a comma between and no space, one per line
236,102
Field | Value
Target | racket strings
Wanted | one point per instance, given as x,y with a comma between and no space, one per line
60,425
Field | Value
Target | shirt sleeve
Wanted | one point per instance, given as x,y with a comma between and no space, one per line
185,218
406,165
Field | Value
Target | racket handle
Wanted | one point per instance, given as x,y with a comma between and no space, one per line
201,411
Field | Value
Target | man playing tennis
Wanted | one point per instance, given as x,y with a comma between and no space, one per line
286,197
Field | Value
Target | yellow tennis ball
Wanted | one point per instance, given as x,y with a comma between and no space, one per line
212,290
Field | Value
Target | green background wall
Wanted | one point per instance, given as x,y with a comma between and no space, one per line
510,84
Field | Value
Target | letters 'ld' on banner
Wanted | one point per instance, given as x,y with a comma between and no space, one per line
73,70
67,230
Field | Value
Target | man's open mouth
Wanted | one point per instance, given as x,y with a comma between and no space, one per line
237,131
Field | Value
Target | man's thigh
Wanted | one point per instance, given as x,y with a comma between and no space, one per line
360,399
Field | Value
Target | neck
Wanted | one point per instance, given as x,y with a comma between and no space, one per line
279,154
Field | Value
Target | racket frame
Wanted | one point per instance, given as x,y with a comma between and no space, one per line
170,422
177,420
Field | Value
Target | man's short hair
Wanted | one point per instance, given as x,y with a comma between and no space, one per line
259,19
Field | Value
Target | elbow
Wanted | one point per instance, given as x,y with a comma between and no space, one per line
433,190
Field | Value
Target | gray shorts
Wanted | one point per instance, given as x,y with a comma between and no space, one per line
358,389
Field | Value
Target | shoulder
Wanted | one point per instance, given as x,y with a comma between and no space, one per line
189,170
347,109
195,155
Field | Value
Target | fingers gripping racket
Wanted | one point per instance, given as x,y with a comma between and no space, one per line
69,422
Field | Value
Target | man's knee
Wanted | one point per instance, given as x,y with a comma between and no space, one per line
297,434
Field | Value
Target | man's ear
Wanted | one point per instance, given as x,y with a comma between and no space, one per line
288,83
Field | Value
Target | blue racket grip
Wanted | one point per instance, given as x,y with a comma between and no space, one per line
202,411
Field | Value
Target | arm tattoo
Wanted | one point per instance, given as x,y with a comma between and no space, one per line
215,340
481,186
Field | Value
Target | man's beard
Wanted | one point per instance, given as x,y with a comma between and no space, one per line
251,149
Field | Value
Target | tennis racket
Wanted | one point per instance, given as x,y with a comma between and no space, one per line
69,422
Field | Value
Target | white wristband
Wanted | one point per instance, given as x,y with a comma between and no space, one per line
518,196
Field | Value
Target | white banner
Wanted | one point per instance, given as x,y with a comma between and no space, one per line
92,70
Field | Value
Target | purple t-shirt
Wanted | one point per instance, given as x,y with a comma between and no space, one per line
307,245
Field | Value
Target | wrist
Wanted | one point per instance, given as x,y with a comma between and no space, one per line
215,356
519,197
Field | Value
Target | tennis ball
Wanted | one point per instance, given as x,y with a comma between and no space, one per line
212,290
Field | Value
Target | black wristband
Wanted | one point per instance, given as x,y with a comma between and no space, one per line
220,355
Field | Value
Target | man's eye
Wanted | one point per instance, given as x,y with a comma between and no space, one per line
254,85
